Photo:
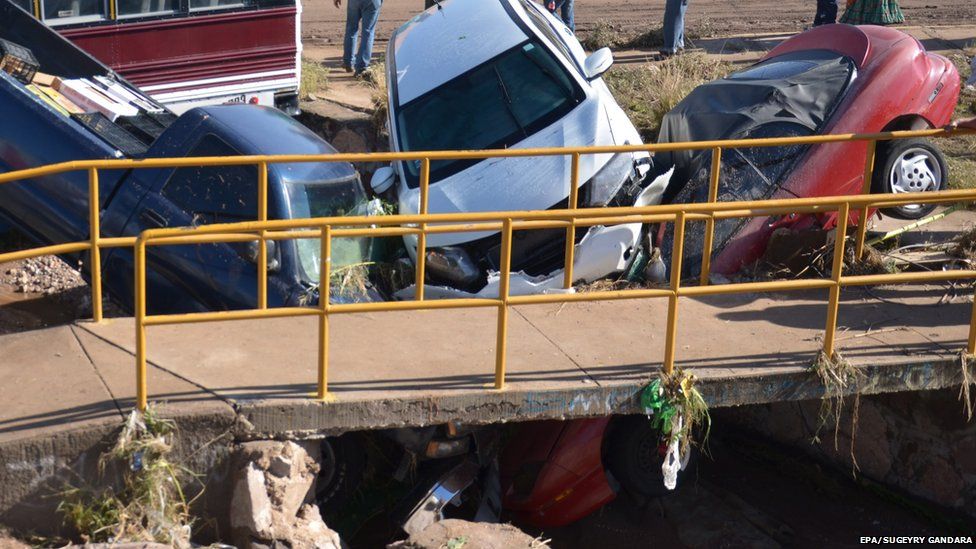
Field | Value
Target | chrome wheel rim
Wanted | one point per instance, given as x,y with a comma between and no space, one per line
915,170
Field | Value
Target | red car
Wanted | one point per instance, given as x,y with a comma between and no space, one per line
555,472
834,79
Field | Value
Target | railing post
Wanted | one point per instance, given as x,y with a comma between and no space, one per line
263,243
837,269
571,230
140,322
676,261
501,341
325,276
95,254
971,347
422,237
706,262
862,225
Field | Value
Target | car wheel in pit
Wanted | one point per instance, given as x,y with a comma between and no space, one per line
340,471
909,165
635,453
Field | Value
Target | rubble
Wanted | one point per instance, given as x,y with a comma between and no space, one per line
270,499
457,533
46,275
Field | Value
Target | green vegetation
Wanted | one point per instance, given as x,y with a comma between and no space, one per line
149,504
314,79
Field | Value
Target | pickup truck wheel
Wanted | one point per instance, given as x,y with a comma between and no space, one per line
635,453
340,471
909,165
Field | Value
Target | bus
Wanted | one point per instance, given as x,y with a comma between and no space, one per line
189,53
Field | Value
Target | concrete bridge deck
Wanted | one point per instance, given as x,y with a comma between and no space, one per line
416,368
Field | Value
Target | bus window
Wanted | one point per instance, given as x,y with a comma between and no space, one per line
214,4
130,8
72,11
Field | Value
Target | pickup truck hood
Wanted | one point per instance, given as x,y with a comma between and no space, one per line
528,183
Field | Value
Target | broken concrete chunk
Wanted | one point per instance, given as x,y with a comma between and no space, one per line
268,509
250,504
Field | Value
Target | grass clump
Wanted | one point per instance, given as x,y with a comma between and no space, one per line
648,92
963,246
839,377
150,505
314,79
375,78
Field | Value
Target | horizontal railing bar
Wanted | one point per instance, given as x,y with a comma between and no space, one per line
54,249
117,242
426,304
752,208
906,278
607,295
146,163
217,316
756,287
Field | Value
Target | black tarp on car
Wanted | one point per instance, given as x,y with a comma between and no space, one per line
790,95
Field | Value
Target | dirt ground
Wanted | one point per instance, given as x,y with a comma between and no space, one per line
323,22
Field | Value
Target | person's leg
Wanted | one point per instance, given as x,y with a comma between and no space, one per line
567,14
352,29
370,13
674,26
831,12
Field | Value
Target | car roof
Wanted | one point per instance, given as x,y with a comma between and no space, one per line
443,42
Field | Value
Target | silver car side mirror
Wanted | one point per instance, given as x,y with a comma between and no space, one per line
598,63
383,178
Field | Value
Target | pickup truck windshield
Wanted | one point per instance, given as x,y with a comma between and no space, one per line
315,192
493,106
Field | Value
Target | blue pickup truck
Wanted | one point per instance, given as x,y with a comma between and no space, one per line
35,131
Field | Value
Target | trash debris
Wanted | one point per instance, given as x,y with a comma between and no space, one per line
678,411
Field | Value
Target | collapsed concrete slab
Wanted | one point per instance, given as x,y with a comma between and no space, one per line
270,502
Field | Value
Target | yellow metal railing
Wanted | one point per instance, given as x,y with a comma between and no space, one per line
424,223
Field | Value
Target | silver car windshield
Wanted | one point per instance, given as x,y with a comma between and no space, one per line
493,106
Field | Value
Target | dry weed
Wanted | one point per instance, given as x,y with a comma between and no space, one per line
839,377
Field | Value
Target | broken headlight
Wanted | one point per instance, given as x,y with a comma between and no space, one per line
604,186
452,265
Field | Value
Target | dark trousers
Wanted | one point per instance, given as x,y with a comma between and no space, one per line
826,13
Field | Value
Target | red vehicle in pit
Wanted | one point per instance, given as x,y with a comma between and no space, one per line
833,79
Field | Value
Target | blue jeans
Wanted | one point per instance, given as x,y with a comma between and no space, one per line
565,10
674,25
826,13
365,12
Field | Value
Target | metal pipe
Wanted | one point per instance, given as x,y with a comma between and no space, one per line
837,271
501,340
139,257
263,243
706,265
420,265
325,290
676,264
569,258
94,253
464,155
862,226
